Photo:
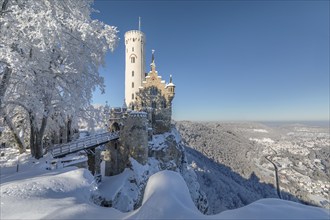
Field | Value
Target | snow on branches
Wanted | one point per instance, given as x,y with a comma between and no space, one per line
50,52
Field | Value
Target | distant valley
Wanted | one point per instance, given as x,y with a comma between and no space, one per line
235,162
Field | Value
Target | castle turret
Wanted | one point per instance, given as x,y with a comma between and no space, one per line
134,65
170,90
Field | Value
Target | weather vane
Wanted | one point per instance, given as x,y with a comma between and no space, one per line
153,55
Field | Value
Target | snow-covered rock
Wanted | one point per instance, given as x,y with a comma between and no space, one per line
197,195
65,194
165,153
125,191
166,149
167,189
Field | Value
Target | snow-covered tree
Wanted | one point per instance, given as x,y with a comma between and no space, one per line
50,52
96,117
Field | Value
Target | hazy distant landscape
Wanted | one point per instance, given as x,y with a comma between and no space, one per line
239,171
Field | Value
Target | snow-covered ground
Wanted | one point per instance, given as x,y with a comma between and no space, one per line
65,193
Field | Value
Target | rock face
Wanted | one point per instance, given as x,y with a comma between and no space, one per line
166,152
197,195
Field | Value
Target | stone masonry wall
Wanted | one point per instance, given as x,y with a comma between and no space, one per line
134,136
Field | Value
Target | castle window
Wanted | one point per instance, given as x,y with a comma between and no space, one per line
153,91
132,95
132,59
133,49
133,73
153,104
133,85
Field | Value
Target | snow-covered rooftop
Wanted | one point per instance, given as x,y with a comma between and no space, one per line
170,84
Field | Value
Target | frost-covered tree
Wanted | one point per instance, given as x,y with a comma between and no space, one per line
50,52
96,117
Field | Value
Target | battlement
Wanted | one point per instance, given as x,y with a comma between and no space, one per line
134,36
134,32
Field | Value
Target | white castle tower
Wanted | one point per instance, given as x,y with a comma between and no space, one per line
134,64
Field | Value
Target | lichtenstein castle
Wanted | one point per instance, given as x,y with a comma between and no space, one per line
147,109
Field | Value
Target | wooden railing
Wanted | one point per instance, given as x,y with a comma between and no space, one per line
88,142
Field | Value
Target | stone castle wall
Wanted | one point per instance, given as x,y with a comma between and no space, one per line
134,136
133,141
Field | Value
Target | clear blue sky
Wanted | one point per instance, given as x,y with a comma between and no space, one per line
230,60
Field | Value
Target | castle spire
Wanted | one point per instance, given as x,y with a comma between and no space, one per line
139,23
153,65
153,56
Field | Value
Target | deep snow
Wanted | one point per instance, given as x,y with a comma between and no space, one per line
36,193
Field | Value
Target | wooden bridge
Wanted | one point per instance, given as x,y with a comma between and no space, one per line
89,142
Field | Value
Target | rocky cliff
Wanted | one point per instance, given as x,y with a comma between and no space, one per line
165,152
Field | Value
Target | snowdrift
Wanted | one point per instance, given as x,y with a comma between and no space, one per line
66,195
167,196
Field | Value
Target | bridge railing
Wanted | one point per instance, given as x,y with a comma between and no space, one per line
84,143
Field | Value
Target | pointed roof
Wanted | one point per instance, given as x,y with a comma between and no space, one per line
170,83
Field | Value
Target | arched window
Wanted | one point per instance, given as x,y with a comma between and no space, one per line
153,104
132,95
133,49
132,59
153,91
114,127
132,84
133,73
164,104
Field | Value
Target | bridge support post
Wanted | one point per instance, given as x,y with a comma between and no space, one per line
98,162
116,158
91,161
94,161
